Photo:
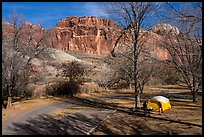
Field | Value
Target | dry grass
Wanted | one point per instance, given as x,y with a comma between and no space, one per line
183,109
124,124
90,87
66,111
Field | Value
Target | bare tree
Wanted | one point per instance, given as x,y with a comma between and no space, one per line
122,71
186,56
166,73
185,49
20,44
131,17
146,70
74,71
74,74
121,76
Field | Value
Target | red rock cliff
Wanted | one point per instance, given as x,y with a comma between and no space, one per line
91,35
85,34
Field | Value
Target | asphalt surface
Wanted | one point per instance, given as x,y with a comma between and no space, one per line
38,121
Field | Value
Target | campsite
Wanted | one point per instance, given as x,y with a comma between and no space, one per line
184,118
100,68
169,122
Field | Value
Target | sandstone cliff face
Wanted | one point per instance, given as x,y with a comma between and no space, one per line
153,45
27,31
85,34
157,34
149,45
92,35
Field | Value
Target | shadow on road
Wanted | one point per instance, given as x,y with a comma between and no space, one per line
77,124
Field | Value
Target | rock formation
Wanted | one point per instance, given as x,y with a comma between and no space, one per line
163,29
85,34
92,35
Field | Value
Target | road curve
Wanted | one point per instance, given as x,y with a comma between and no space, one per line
7,128
37,121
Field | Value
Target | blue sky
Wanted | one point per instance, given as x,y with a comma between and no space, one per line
50,13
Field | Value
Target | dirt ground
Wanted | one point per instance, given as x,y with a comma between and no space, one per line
122,123
183,109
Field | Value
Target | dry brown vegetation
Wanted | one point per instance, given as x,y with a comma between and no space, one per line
183,110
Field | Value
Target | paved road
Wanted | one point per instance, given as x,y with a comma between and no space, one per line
38,121
8,126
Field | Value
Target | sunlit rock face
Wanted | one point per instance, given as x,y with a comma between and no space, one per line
153,45
85,34
93,35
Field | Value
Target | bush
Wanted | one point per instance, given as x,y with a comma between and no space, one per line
74,71
70,88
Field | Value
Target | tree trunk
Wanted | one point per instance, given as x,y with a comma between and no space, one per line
137,100
195,96
9,105
135,58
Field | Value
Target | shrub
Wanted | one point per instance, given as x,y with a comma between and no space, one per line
64,89
74,71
